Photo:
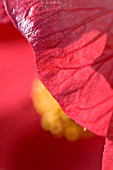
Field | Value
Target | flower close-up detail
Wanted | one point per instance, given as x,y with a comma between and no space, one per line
4,18
57,82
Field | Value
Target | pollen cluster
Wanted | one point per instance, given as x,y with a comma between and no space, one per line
53,118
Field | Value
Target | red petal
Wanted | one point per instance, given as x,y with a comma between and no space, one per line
3,16
108,151
73,45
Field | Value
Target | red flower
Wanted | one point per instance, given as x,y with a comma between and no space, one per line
23,144
73,47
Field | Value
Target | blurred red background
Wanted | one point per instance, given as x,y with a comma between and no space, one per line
23,144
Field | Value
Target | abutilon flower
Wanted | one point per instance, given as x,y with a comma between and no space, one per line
73,45
23,144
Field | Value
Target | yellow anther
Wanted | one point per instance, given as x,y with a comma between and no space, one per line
53,118
72,132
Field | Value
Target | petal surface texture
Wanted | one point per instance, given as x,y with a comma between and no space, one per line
73,45
108,149
4,19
